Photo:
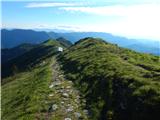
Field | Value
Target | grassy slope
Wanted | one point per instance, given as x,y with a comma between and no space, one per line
30,58
119,84
8,54
24,97
25,92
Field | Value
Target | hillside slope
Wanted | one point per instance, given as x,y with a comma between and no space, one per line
119,84
8,54
31,58
38,89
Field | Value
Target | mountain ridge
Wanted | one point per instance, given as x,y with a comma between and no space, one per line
115,81
75,36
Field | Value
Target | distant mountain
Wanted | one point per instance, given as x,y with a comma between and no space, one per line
145,46
64,42
12,38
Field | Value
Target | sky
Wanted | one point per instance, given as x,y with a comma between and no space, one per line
128,18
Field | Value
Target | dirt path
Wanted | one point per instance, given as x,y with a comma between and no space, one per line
67,101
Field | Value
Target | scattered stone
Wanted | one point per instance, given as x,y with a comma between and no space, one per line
54,107
70,82
70,98
56,83
77,101
68,90
84,101
70,109
50,95
77,114
60,75
65,99
85,111
62,102
67,119
51,86
68,105
68,87
65,95
78,96
61,91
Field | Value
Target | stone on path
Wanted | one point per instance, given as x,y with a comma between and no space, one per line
62,102
69,98
54,107
67,119
51,86
77,114
65,95
68,87
85,111
50,95
70,109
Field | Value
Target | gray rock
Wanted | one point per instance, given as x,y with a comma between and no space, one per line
51,86
65,99
86,111
70,109
68,87
67,119
70,82
77,114
54,107
62,102
50,95
76,100
65,95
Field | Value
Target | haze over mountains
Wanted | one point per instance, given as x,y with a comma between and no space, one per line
12,38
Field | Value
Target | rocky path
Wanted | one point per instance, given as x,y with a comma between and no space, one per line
67,103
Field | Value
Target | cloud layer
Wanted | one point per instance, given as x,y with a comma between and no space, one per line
131,20
49,4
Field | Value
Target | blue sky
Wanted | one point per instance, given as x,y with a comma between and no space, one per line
129,18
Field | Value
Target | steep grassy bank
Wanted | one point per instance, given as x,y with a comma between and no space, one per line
119,84
25,95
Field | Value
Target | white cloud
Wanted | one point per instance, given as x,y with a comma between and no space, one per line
141,20
116,10
49,4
